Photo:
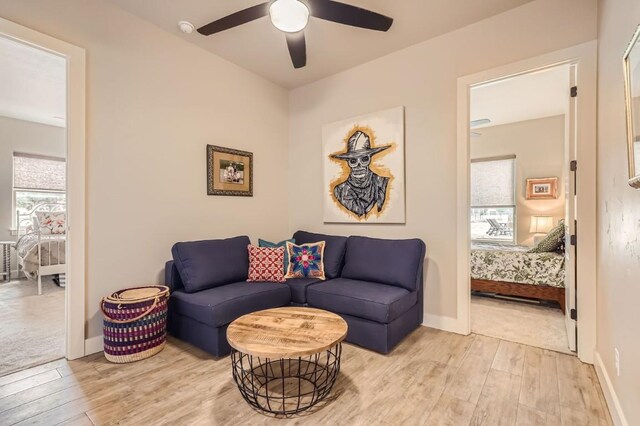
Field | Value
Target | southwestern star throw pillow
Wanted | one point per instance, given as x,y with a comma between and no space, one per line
306,260
266,264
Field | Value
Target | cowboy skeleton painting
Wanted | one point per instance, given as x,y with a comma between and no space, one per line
364,169
363,190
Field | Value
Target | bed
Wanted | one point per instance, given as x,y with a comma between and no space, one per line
41,245
509,270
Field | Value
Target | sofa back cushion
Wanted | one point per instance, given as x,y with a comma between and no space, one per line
333,251
211,263
392,262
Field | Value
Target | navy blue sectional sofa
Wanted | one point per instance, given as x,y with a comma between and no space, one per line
376,285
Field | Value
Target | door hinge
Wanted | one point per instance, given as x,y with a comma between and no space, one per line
574,240
573,166
574,91
574,314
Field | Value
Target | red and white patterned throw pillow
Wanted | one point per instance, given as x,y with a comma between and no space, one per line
266,264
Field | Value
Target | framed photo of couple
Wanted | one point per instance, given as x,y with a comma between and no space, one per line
229,172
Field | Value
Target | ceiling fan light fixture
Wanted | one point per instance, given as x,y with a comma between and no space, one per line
290,16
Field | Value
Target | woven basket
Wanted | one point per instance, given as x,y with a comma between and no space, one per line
135,323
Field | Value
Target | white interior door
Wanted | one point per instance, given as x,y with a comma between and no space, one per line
571,211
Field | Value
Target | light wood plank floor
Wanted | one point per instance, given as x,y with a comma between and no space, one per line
432,378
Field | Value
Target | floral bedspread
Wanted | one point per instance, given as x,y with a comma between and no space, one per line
53,253
514,264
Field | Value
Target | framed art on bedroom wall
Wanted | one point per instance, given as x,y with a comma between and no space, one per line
542,189
229,172
364,169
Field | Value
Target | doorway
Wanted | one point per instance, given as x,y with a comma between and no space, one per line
579,128
33,195
520,155
43,177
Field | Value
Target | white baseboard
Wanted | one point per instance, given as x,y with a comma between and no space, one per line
617,415
444,323
93,345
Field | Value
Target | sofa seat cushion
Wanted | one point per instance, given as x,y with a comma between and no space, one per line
335,246
362,299
299,287
220,305
392,262
211,263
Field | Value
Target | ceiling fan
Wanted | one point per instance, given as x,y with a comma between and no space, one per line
475,123
292,17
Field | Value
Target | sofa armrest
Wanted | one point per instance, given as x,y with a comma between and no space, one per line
420,290
172,277
420,281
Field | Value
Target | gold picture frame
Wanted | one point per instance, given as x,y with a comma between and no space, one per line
631,64
229,172
542,189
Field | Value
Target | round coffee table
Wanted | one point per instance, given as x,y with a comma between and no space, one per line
286,360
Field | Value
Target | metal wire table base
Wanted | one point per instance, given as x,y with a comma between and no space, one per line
286,386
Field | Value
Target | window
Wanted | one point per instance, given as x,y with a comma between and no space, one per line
493,199
37,179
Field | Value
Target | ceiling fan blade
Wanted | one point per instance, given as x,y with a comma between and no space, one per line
235,19
349,15
297,49
479,122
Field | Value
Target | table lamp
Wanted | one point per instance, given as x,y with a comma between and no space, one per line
540,226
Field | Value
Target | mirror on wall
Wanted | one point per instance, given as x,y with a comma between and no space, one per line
632,88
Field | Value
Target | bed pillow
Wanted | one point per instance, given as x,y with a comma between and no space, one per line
266,264
306,260
554,241
51,223
283,244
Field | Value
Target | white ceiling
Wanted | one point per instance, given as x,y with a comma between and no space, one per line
525,97
32,84
331,48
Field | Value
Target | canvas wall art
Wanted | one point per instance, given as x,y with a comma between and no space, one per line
364,169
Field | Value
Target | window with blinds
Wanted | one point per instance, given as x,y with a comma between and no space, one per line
493,199
39,172
37,179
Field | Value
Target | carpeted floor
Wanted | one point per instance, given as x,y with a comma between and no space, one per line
532,325
31,326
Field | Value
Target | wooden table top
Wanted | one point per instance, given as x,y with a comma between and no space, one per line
287,332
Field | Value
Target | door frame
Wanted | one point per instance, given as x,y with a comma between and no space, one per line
584,56
76,218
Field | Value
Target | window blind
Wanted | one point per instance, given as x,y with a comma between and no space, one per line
493,182
38,172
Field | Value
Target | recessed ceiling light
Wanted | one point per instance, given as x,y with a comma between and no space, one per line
186,27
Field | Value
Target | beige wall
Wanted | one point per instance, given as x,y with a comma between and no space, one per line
29,137
539,149
423,78
153,104
618,213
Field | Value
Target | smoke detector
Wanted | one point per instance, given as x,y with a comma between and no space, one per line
186,27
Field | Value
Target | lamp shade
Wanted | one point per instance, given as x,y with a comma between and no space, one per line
541,224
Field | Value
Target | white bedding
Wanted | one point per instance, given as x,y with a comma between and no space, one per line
53,252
